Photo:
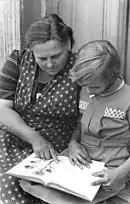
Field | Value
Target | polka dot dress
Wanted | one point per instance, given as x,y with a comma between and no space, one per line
53,114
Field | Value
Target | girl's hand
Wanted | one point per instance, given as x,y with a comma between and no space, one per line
44,149
78,155
110,179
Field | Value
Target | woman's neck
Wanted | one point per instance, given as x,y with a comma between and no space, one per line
44,77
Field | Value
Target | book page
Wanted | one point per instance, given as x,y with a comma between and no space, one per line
75,179
33,168
61,175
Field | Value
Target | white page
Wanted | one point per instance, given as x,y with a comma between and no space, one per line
76,179
63,173
32,168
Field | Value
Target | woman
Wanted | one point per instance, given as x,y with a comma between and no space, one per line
105,109
38,105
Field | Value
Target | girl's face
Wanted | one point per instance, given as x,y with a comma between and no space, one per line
51,56
98,86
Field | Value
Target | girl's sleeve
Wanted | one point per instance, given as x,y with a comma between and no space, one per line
9,76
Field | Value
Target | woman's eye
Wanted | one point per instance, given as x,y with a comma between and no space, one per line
42,59
56,56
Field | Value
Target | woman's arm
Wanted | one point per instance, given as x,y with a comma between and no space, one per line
15,124
10,118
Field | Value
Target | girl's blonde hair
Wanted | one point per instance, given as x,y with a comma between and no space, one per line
96,59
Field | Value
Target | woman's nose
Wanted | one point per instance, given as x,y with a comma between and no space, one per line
49,63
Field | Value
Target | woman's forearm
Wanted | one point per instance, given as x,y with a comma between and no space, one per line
16,125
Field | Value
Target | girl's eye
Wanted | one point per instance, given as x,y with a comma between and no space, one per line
94,87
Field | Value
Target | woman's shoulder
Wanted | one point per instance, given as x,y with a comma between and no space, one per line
72,56
73,53
11,67
71,59
14,57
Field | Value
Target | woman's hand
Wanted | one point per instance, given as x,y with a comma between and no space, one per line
78,154
110,179
44,149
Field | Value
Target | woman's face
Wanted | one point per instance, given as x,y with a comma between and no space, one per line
51,56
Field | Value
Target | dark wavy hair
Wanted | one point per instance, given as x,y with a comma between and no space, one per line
51,27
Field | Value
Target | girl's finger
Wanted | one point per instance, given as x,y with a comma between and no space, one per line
77,162
107,189
97,182
86,155
71,160
106,184
99,174
83,161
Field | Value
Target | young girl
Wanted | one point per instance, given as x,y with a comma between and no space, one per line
105,109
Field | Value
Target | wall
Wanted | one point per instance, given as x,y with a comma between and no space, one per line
2,32
9,28
84,16
127,74
30,11
90,19
95,19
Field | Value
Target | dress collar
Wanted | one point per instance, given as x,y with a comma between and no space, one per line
119,83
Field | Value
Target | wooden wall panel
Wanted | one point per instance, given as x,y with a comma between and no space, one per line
9,28
2,33
88,20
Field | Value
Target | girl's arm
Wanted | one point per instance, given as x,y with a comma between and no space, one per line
125,167
76,136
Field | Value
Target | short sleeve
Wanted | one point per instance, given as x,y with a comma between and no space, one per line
9,76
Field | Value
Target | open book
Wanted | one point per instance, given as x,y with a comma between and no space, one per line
62,175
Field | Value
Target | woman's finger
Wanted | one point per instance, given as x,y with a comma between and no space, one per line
47,154
38,154
54,155
42,155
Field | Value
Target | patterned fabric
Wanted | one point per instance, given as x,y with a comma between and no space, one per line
9,76
53,114
83,104
114,113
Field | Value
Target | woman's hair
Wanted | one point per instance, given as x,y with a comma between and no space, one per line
96,59
47,28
